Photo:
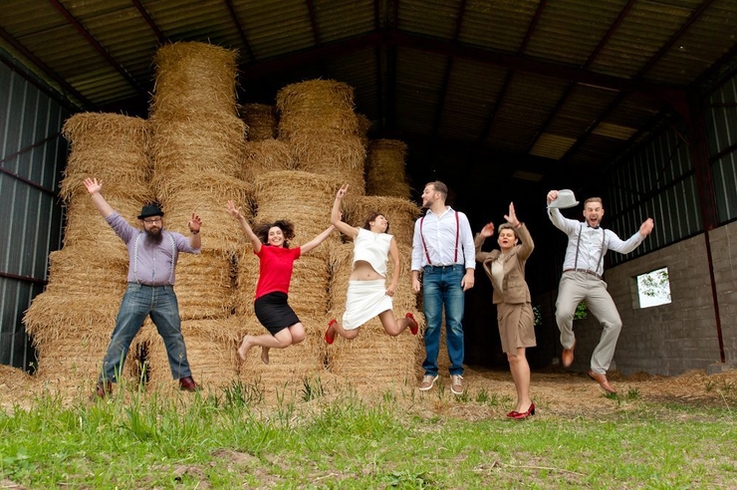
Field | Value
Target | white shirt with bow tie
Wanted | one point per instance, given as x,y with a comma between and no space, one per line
587,246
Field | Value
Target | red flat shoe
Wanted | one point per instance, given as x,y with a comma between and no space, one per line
413,326
328,338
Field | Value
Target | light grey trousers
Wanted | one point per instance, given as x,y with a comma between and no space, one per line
579,286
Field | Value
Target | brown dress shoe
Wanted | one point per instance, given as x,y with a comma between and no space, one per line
603,382
102,390
188,384
567,356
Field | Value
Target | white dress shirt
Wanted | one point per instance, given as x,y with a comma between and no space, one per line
439,233
592,244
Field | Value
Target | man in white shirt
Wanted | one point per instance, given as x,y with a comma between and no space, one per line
583,269
443,248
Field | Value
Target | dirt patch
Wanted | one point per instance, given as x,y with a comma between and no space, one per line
489,393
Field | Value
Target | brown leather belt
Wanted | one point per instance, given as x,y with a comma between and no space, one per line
592,273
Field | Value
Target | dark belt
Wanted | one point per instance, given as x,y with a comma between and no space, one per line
443,267
591,273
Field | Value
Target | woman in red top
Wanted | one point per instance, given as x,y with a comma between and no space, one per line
276,260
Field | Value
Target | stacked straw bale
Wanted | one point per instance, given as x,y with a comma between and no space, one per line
261,121
385,169
364,125
296,362
318,121
211,352
268,155
303,198
71,321
198,153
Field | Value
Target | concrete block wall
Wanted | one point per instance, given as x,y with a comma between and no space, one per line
680,336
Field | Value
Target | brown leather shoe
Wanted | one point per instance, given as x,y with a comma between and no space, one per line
603,382
188,384
567,356
102,390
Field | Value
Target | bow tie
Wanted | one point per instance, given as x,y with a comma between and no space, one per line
594,227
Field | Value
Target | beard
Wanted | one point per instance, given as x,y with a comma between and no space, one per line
154,236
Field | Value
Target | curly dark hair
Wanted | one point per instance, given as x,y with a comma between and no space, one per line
371,217
262,231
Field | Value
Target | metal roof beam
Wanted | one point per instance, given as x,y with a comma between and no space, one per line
239,28
144,13
448,71
401,39
98,47
66,87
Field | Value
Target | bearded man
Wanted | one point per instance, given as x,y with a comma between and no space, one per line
153,253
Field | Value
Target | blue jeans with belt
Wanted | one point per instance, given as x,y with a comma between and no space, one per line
441,286
140,301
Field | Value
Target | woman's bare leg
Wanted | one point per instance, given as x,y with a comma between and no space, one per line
520,370
282,339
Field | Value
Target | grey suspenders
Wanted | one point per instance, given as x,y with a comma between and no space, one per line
601,252
173,257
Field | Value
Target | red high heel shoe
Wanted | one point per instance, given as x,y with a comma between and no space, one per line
328,338
414,327
523,415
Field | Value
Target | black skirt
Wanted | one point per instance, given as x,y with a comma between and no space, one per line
274,313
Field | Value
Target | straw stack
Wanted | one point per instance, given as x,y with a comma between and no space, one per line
211,352
385,169
261,121
318,122
72,320
268,155
364,125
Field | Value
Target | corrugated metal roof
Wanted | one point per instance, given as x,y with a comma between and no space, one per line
569,80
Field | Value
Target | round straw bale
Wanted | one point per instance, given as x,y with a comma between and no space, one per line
364,125
53,316
385,169
261,121
303,198
75,360
194,79
293,363
316,106
105,132
86,228
326,153
85,271
207,195
267,155
401,214
207,144
211,352
204,285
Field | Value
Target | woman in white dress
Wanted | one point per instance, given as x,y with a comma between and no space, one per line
368,295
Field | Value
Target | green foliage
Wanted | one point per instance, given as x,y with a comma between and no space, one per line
231,440
582,312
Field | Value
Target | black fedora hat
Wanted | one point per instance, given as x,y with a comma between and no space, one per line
150,210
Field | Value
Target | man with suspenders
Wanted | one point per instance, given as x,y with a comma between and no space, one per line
443,248
153,253
583,269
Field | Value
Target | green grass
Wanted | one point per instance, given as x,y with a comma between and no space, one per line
309,440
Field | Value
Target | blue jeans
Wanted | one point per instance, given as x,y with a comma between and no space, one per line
140,301
441,286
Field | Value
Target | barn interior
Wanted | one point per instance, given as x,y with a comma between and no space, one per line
503,100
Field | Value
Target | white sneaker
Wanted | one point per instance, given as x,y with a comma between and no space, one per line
456,384
428,381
